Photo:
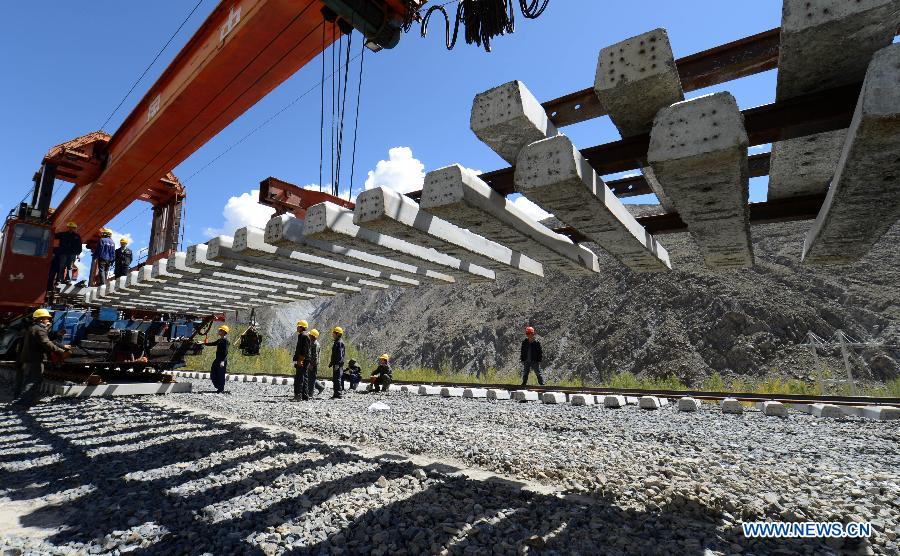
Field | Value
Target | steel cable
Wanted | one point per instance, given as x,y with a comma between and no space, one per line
155,58
356,120
482,19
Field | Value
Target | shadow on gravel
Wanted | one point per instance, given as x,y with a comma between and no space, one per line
257,491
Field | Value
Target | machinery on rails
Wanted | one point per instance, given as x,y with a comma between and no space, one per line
241,52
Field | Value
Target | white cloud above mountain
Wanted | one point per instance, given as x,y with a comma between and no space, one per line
242,210
401,171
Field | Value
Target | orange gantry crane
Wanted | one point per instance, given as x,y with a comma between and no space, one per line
243,50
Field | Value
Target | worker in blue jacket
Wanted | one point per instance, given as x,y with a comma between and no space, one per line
105,255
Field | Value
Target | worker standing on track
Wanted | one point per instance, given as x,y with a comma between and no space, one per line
56,271
312,385
531,356
381,377
123,259
35,347
105,254
301,361
336,363
69,250
220,363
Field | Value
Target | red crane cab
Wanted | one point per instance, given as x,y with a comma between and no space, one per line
25,258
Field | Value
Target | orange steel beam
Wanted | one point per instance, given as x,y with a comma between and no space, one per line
287,197
242,51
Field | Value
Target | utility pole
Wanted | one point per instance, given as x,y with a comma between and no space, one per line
819,372
842,339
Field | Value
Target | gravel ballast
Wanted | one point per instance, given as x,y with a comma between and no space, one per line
251,472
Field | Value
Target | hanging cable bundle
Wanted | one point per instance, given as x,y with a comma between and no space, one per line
483,19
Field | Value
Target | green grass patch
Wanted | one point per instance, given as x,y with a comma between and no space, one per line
277,361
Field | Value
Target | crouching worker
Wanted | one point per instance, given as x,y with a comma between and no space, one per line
36,346
220,363
353,374
381,378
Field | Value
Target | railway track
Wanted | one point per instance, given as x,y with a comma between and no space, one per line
639,392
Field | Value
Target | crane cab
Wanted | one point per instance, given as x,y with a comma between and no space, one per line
25,255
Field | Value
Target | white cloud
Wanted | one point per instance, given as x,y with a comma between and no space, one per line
531,209
402,171
82,263
240,211
342,192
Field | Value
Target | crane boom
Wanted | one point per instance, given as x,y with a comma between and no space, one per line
243,50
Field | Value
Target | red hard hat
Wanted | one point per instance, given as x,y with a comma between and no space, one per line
529,330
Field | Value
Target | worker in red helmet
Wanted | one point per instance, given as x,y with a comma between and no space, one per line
531,357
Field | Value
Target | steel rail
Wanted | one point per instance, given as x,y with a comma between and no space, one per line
700,394
636,392
720,64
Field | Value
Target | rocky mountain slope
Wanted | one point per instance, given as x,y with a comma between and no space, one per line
689,322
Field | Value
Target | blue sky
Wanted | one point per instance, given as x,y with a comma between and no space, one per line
67,65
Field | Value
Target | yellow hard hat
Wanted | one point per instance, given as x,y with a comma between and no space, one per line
314,333
41,314
123,241
224,328
303,323
337,329
71,225
385,356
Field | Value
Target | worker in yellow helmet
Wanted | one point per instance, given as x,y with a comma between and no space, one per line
220,363
381,378
123,259
105,255
336,363
36,345
68,251
313,386
301,361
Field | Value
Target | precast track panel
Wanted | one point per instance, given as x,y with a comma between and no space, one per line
219,249
555,175
329,222
249,241
387,211
823,44
457,195
196,258
863,201
287,231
